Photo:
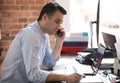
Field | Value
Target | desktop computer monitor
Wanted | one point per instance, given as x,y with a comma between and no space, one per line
94,31
110,40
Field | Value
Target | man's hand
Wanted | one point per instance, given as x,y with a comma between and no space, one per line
73,78
60,37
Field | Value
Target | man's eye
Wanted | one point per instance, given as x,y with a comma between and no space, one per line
57,22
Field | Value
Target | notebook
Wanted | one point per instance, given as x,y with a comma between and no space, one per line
94,62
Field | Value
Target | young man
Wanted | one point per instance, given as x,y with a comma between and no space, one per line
30,54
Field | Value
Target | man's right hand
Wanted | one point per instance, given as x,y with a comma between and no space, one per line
73,78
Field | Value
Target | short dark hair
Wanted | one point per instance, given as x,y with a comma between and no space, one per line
50,8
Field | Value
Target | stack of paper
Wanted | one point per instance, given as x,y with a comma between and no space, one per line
75,42
76,39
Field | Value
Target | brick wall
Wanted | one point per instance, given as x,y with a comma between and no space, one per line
14,15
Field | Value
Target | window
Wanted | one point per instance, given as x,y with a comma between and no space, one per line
81,12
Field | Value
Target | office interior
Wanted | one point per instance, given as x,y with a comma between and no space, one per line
15,14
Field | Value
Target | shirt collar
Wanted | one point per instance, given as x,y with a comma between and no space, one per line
37,26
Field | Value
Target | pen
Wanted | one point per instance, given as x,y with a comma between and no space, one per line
65,68
74,69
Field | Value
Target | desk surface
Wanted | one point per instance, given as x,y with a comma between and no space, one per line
65,66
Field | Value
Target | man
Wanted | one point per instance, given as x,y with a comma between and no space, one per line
30,55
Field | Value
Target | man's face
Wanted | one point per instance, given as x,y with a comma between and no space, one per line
52,24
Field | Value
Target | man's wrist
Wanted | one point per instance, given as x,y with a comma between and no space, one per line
65,78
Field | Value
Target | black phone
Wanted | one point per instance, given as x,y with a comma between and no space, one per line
60,33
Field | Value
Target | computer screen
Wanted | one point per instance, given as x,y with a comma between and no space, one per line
99,55
98,58
109,40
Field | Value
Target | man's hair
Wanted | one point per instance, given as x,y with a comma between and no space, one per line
50,8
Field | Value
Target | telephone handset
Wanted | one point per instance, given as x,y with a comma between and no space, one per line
60,33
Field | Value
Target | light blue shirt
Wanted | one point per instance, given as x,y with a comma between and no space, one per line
28,51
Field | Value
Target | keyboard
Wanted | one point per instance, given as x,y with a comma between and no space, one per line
106,66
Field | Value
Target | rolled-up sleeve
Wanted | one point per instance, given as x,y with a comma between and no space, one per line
48,60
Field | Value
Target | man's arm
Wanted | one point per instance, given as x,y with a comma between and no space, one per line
58,45
51,56
57,49
72,78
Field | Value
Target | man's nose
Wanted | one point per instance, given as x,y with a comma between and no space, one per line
58,26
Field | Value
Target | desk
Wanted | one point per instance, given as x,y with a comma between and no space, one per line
65,66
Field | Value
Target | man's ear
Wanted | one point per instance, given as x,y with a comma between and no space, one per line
44,17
